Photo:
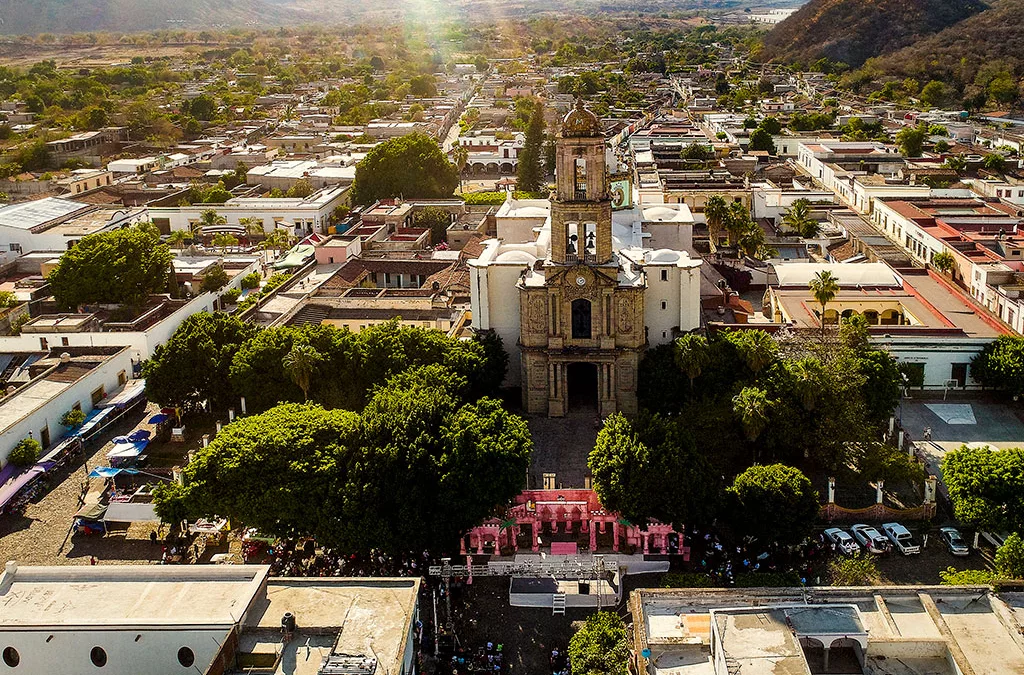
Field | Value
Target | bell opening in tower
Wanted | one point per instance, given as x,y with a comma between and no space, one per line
580,180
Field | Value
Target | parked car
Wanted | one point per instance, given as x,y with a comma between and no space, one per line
954,542
845,544
871,539
901,538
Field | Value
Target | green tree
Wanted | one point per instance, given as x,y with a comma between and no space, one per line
223,240
214,279
753,408
756,347
944,262
530,168
1010,557
692,355
410,166
798,219
302,188
910,140
73,418
774,503
601,646
203,107
178,238
207,218
934,94
986,487
437,221
117,267
858,570
1000,365
653,469
25,453
957,163
824,287
761,140
8,299
193,365
716,212
301,363
994,162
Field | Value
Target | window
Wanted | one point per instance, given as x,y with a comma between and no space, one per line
581,323
11,657
549,481
664,275
64,342
122,377
186,657
664,305
98,395
98,657
44,345
15,248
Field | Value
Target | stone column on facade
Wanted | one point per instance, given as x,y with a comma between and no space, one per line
646,539
535,534
615,536
593,537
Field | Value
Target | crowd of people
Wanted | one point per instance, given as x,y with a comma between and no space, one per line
725,562
288,558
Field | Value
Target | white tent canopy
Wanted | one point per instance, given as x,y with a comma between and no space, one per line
799,274
127,512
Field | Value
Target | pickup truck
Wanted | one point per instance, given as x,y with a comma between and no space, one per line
901,538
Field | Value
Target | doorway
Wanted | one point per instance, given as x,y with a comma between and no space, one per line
582,384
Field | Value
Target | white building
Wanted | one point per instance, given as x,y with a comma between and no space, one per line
206,619
307,214
81,380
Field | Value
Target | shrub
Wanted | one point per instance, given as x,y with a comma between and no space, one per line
952,577
73,418
687,580
7,299
25,453
231,296
250,281
858,570
214,279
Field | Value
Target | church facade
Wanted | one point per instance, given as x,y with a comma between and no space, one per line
583,305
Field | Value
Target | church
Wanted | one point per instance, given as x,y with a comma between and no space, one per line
578,290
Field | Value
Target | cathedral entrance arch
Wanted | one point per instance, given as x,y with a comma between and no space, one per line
581,378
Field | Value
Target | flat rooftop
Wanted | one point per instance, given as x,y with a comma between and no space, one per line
149,595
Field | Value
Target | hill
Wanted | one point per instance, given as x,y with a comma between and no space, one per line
71,16
994,37
852,31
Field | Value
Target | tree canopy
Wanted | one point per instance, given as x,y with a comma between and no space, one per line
1000,365
417,468
408,166
600,647
774,503
986,487
118,267
653,469
193,365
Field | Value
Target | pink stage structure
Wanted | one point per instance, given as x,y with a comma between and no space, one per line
561,514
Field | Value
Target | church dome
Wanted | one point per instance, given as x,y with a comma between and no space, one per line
581,123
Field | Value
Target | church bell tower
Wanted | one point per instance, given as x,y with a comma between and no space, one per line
581,212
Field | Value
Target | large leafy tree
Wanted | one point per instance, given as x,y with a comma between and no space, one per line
1000,365
416,469
409,166
653,469
986,486
601,646
774,503
193,365
118,267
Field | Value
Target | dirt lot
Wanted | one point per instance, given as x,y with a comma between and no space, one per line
42,535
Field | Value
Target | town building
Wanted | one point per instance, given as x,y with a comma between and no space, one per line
207,619
590,297
888,630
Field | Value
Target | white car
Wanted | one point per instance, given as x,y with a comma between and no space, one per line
901,538
871,539
845,544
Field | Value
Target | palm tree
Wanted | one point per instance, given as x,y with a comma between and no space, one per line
223,240
752,406
691,354
758,349
752,240
737,221
798,219
301,363
715,213
824,286
178,238
276,239
208,218
253,226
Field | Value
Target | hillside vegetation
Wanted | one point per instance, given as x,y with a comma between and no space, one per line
852,31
